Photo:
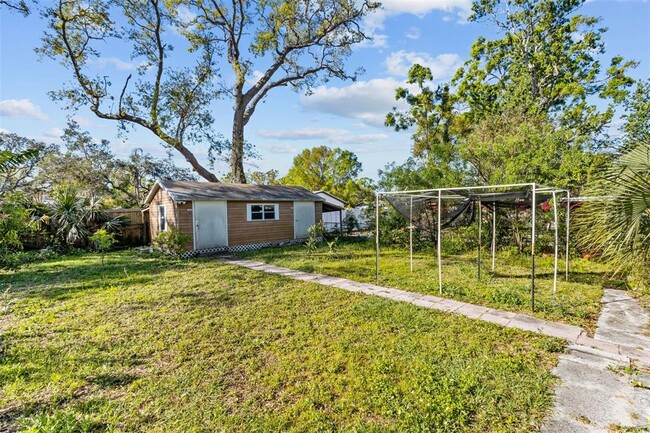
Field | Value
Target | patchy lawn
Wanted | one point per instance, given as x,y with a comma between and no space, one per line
576,302
146,344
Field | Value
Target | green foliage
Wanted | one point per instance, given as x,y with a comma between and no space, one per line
92,168
531,105
548,61
350,223
146,344
15,225
315,235
333,170
58,423
637,115
172,241
515,147
618,225
102,241
432,112
20,160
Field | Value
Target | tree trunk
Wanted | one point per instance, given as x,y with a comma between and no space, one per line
237,151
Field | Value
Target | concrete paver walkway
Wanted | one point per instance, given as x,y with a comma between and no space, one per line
595,393
573,334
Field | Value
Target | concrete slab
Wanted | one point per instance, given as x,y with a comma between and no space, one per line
593,397
491,317
472,311
449,305
623,320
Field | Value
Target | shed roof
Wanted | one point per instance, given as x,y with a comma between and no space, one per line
189,190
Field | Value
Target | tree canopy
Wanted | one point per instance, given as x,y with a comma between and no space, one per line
333,170
293,43
532,105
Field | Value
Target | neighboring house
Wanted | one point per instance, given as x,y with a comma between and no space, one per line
334,212
233,217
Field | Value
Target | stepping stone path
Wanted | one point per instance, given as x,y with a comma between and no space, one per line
596,392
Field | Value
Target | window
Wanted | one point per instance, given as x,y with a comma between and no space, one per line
162,218
262,212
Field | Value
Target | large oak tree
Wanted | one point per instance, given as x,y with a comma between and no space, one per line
267,44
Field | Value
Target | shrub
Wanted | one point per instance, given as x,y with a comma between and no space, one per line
172,241
350,223
102,241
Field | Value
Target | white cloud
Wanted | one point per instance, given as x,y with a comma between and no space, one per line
329,135
423,7
373,24
282,148
115,62
21,108
413,33
368,101
442,66
53,133
84,122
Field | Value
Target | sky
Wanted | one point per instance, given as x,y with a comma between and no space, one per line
344,114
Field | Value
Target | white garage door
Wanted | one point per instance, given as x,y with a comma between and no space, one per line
210,224
304,216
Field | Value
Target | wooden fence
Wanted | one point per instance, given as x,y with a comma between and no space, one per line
136,231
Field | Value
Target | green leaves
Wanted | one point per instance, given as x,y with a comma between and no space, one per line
333,170
9,160
617,224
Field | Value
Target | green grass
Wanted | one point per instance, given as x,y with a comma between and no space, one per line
576,302
147,344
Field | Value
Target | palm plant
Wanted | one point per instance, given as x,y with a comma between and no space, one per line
9,160
617,223
74,217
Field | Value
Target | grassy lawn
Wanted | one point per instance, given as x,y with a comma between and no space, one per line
147,344
576,302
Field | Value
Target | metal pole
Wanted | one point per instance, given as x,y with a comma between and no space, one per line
555,244
377,238
480,226
439,243
532,252
494,234
411,234
568,213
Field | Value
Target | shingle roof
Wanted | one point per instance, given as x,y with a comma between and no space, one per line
188,190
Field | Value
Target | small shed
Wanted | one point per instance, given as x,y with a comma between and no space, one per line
233,217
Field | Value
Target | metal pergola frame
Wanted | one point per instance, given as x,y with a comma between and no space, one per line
448,193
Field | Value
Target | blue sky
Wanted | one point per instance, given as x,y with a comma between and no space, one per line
338,114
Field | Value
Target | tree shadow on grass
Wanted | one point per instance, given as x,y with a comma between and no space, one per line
61,282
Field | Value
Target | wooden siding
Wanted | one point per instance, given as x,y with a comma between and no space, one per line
179,216
242,232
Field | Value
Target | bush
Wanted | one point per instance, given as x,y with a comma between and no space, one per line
15,226
102,241
315,235
172,241
350,223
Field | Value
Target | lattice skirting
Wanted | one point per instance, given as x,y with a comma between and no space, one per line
241,248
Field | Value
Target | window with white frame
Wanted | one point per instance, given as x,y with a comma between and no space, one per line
162,218
262,212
